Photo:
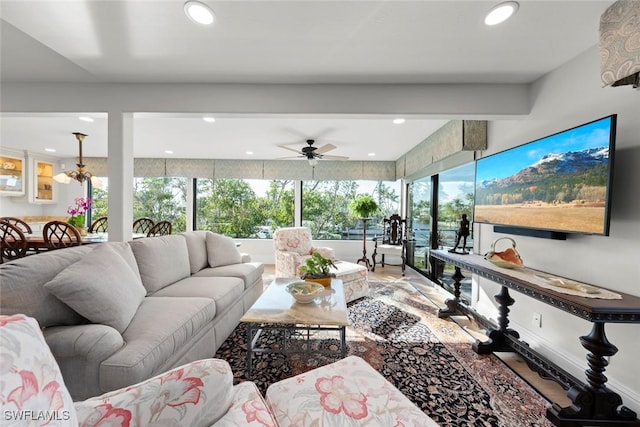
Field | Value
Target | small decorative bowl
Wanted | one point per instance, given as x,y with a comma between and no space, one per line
305,292
509,258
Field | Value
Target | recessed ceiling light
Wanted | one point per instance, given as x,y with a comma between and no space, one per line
501,13
86,119
398,121
50,150
168,152
209,119
198,12
371,154
249,152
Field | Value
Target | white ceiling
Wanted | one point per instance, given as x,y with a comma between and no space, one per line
285,42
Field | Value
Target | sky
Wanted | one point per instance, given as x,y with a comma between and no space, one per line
509,162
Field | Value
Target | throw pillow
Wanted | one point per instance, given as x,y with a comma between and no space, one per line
102,287
31,380
222,250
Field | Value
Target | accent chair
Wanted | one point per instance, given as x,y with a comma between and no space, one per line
392,242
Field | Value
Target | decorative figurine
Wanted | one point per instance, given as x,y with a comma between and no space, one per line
463,232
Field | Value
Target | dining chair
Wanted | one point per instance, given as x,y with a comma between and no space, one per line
60,234
143,225
100,225
160,228
13,244
22,225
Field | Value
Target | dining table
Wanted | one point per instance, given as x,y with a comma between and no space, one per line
36,241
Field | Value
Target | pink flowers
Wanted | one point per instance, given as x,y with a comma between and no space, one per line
30,396
78,211
255,411
335,397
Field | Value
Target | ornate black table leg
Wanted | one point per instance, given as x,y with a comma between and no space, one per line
364,245
594,404
497,341
452,303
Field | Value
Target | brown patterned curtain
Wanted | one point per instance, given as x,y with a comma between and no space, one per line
620,44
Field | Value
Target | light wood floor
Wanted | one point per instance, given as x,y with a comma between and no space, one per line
549,389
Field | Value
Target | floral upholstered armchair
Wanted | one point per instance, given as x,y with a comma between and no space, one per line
293,245
348,392
201,393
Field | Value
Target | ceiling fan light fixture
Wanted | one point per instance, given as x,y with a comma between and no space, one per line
313,161
501,13
199,12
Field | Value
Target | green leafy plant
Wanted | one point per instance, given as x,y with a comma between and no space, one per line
363,206
317,266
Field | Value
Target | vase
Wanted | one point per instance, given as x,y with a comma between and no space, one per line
83,231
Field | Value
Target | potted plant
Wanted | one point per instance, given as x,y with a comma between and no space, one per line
316,269
363,206
78,212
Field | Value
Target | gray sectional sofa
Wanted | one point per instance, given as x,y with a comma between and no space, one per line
117,313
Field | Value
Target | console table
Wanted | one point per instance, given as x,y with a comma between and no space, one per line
593,404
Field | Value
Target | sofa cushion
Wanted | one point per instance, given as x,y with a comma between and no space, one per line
222,250
161,260
248,408
160,329
249,272
196,394
197,248
223,290
31,380
346,392
22,287
101,286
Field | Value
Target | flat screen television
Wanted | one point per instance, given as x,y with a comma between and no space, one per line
559,183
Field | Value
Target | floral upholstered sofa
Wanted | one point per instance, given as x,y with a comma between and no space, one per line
345,393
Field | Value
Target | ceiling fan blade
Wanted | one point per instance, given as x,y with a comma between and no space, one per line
325,148
335,158
289,157
290,149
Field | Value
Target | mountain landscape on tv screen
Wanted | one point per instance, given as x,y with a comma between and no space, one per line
552,185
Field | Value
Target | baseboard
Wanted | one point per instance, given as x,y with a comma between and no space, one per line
630,397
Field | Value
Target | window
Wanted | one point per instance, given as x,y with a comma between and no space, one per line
455,197
161,199
325,207
155,198
244,208
419,223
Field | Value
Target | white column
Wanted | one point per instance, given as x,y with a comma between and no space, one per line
120,164
190,196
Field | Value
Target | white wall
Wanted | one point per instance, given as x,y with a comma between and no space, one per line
569,96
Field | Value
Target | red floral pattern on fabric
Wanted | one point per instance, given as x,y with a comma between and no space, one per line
30,396
335,397
180,391
256,411
107,415
5,320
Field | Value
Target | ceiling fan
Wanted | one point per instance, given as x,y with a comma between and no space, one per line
312,153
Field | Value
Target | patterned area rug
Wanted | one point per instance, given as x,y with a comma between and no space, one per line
397,331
